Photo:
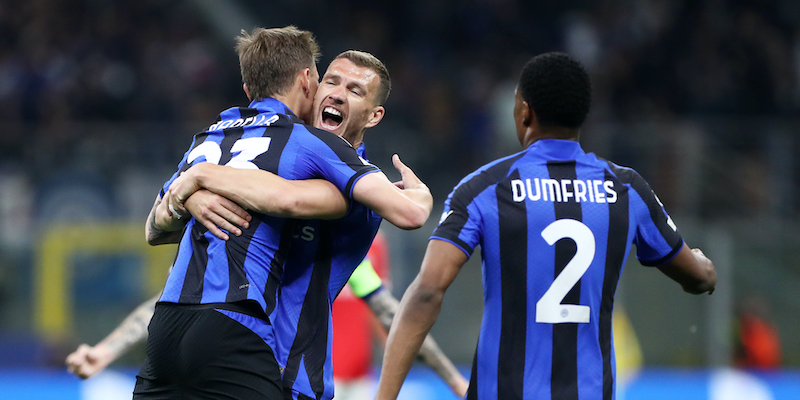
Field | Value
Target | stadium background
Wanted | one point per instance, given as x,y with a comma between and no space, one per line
99,99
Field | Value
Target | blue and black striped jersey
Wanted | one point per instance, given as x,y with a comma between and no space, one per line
322,258
555,226
265,135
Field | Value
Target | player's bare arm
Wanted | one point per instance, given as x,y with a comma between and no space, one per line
385,306
213,211
693,270
418,310
161,227
87,360
262,191
407,208
406,205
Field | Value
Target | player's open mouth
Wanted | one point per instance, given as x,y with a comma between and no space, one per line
331,117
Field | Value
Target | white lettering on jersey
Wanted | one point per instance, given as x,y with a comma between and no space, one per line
258,120
565,190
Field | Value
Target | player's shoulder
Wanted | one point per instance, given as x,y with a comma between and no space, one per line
626,175
486,176
329,138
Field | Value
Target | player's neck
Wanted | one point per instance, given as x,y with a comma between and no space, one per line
559,133
355,138
294,101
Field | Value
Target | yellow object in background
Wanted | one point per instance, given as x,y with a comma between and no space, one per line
53,274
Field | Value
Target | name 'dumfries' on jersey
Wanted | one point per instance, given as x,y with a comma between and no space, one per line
564,190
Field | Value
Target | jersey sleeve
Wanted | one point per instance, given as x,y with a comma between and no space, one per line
461,219
656,237
330,157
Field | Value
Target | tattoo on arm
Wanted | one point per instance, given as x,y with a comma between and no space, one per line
385,306
132,330
156,235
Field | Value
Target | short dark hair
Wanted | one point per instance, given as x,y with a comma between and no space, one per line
367,60
270,59
557,88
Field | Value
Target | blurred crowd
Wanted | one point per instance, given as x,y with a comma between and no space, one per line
454,63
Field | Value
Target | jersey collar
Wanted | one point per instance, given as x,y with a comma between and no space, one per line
557,149
274,105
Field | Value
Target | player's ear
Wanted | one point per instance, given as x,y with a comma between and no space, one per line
305,82
528,115
247,92
377,115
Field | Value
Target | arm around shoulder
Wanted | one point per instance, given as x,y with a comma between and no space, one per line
407,208
693,270
265,192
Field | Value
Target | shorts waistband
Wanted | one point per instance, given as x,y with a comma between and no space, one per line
250,308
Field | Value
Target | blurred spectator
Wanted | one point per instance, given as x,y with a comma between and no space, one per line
758,345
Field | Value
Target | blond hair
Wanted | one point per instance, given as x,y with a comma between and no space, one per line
270,59
367,60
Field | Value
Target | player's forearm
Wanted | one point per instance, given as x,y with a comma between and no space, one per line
432,355
160,227
268,193
406,209
132,329
385,306
693,270
417,313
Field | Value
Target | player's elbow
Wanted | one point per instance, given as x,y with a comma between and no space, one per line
424,294
411,218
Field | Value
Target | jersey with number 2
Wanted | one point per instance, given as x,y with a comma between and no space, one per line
555,225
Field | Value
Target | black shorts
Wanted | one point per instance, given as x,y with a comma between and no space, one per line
200,353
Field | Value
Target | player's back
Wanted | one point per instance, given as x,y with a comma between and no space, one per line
265,136
555,225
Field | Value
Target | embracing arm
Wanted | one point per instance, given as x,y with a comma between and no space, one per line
406,205
161,227
262,191
693,270
385,306
418,311
87,360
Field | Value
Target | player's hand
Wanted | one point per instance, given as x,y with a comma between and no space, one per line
702,255
181,188
87,361
410,179
217,213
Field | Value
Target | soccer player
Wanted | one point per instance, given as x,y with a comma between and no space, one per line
325,253
210,335
555,225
